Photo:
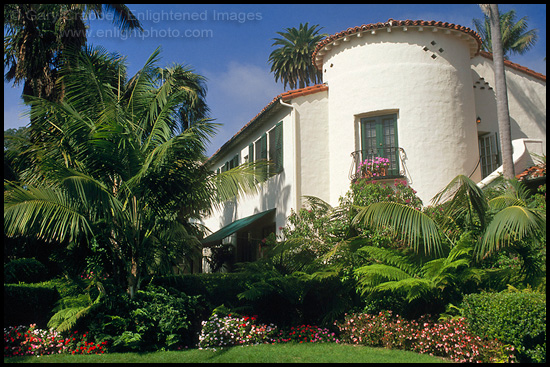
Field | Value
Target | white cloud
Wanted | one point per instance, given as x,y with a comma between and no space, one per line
237,94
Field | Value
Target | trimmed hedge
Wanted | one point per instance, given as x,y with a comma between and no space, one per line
216,288
26,304
516,318
25,270
321,297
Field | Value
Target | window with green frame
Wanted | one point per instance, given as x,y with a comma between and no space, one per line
270,145
379,139
232,163
260,151
276,148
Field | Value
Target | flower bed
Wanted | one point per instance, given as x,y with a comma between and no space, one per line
28,340
305,334
449,339
231,330
228,331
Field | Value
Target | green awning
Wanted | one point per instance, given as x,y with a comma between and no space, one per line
237,225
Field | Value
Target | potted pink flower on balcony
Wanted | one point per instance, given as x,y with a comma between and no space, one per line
374,168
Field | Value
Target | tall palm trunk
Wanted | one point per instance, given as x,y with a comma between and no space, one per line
503,115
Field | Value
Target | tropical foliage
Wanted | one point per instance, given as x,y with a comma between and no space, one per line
502,221
114,163
516,37
291,61
37,34
110,179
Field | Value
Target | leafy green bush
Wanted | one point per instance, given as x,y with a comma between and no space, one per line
155,319
297,298
216,288
367,191
25,270
517,318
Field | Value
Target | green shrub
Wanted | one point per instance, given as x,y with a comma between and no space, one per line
155,319
516,318
25,270
366,191
26,304
216,288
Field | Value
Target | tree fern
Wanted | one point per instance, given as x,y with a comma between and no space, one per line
69,309
393,258
403,274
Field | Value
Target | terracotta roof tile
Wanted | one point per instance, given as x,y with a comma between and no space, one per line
395,23
516,66
532,172
302,92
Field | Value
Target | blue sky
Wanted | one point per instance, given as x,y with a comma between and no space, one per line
230,44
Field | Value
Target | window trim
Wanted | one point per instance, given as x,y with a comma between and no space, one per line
378,120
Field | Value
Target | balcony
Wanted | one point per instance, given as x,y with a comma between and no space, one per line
376,166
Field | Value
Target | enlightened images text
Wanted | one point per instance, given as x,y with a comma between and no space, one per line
166,16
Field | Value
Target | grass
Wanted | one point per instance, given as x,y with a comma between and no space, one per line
264,353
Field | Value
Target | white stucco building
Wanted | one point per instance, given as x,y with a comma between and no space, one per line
419,93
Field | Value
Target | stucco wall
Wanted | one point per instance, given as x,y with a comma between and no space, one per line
427,79
276,192
312,148
433,99
526,101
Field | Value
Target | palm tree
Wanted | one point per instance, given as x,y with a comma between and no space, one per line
502,222
516,38
445,262
291,62
503,114
112,164
36,35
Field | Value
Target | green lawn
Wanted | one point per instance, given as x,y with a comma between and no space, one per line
265,353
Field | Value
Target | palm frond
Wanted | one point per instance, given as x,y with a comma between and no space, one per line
417,228
516,193
317,203
45,212
509,225
69,309
461,194
370,277
239,181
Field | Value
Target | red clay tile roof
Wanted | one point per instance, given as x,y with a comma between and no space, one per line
285,96
394,23
532,172
516,66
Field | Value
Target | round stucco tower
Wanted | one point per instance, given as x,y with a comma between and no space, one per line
420,73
